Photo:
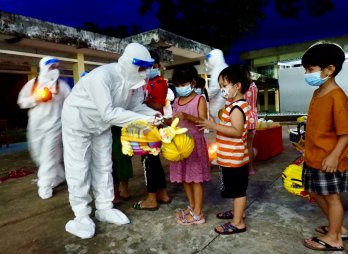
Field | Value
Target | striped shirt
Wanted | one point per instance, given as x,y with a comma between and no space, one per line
233,152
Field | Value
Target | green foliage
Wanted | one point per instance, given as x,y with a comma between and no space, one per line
217,23
291,8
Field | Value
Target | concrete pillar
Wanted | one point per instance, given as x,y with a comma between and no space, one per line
79,67
33,72
265,92
276,99
205,76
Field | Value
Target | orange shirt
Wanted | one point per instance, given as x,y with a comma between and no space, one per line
233,152
327,120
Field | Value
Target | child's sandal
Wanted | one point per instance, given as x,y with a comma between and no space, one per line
200,219
182,212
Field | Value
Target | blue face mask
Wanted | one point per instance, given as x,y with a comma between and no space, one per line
184,90
314,79
152,73
198,90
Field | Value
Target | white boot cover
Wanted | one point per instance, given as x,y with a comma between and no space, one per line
114,216
45,192
82,227
57,181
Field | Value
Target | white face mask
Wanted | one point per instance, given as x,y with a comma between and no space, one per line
225,92
53,74
136,79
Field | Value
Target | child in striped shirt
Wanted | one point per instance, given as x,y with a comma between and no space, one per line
231,137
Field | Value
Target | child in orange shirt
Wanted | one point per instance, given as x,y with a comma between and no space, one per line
232,153
325,173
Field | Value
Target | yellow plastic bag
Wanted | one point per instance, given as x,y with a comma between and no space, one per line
292,180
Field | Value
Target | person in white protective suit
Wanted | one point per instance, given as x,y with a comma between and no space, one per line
44,97
109,95
215,63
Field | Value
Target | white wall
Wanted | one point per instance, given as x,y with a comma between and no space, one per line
295,94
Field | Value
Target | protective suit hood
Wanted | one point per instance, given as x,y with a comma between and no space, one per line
134,56
216,63
215,58
48,78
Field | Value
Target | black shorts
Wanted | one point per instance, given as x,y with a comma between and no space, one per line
234,181
322,183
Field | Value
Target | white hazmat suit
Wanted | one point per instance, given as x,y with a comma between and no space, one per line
216,63
44,131
108,95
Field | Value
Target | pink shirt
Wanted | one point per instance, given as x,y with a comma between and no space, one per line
251,98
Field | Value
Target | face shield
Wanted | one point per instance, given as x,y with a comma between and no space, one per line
208,66
142,63
49,69
143,67
133,63
215,58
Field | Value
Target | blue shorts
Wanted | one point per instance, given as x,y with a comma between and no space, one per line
322,183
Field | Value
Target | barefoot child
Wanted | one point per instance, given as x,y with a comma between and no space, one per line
194,170
232,153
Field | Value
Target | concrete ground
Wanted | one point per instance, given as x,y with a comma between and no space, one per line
277,220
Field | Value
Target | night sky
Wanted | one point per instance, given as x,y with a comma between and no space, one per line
272,31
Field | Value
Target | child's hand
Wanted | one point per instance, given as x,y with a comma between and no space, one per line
179,115
329,164
168,121
203,124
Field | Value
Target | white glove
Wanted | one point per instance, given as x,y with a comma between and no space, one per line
158,119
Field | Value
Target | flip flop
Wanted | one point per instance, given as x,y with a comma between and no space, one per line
229,229
327,247
165,202
324,229
126,198
321,230
137,206
226,215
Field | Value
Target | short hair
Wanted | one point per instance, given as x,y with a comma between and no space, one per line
237,73
323,54
155,56
183,75
200,82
